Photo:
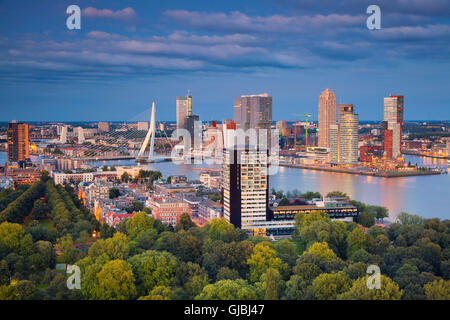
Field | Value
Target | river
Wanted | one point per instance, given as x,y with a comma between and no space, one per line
427,196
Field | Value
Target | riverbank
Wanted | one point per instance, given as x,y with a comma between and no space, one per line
389,174
421,154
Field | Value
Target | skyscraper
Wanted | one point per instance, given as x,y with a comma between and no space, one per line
327,117
348,134
344,136
253,111
184,109
18,142
245,188
392,126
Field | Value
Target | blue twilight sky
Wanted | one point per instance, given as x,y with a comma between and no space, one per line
129,53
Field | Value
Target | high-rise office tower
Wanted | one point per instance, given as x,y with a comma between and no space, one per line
327,117
334,143
18,142
253,111
392,125
344,136
194,126
184,109
348,134
245,188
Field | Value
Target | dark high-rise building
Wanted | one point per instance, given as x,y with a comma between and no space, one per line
18,142
245,187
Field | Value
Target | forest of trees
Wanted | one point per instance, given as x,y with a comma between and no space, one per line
144,259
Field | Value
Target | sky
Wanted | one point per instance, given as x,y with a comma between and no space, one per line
130,53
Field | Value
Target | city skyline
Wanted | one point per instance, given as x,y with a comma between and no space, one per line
129,54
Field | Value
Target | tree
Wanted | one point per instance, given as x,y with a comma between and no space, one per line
217,228
114,193
271,284
321,250
389,290
115,282
366,219
438,290
286,251
125,177
228,290
40,209
158,293
356,240
336,194
284,202
152,269
328,286
10,235
185,223
114,248
140,222
263,258
409,219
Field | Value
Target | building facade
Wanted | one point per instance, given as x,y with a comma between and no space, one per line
245,188
184,109
327,117
348,134
18,142
393,121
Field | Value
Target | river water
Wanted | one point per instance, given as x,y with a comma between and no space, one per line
427,196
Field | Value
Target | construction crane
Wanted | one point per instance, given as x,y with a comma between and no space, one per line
307,116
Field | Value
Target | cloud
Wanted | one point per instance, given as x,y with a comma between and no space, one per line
126,14
237,22
436,8
413,33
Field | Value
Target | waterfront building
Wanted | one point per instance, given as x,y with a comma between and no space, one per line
344,137
184,109
348,135
392,125
253,112
327,117
18,142
334,143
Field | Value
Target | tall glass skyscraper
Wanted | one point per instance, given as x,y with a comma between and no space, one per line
392,126
327,117
184,110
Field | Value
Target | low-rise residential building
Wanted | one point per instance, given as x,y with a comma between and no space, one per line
168,210
61,177
211,179
208,209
